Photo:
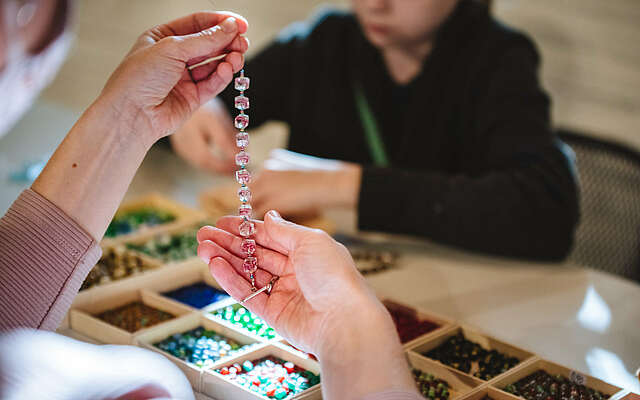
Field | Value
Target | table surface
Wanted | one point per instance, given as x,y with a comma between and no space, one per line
584,319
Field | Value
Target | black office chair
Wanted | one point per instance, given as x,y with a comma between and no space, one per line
608,236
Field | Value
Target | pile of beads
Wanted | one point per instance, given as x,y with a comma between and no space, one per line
429,386
271,377
134,316
542,386
201,346
138,219
408,325
247,228
197,295
245,320
470,357
167,247
371,261
115,263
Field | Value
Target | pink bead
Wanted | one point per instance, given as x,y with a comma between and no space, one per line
242,121
242,158
244,194
242,102
242,139
247,228
250,265
241,83
244,210
248,246
243,176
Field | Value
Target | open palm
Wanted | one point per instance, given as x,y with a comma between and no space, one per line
316,274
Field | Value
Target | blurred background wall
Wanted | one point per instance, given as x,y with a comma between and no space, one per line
590,49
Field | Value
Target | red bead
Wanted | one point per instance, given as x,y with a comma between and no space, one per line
224,371
241,83
244,194
242,102
250,265
242,158
248,246
245,210
241,121
289,366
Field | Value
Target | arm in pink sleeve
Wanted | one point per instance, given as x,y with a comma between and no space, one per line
393,395
44,258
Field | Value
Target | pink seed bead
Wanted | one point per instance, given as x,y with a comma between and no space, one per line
242,158
243,176
244,194
248,246
250,265
241,83
245,210
242,121
247,228
242,139
242,102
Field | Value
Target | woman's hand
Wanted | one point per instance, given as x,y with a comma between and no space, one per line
320,303
153,92
149,96
295,192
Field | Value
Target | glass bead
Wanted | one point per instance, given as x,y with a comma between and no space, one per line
242,139
250,265
245,210
242,121
248,246
243,176
241,102
241,83
247,228
244,194
242,158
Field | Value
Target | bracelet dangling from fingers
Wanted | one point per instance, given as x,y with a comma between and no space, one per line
247,228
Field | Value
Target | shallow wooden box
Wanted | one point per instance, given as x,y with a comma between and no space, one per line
422,315
150,263
460,383
554,369
188,322
83,319
157,201
493,393
488,342
231,302
184,275
173,230
218,387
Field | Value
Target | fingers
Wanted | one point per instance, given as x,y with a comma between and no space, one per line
209,249
269,260
208,42
234,284
200,21
234,57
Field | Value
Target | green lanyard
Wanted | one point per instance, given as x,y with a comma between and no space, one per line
371,131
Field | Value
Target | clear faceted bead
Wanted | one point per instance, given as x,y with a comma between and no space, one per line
242,121
245,210
242,102
243,176
244,194
248,246
242,158
247,228
242,139
250,265
241,83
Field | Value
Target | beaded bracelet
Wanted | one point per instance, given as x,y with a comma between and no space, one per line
247,228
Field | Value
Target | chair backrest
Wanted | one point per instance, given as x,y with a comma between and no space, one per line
608,236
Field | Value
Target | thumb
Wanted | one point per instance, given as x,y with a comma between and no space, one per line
208,42
286,235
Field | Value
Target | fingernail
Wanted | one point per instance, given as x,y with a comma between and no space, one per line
274,214
229,25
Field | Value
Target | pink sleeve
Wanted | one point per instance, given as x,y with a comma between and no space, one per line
44,258
393,395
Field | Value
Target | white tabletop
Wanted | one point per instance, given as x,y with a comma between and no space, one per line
586,320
